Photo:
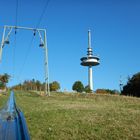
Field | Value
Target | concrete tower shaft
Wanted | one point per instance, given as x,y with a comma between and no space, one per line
90,61
90,79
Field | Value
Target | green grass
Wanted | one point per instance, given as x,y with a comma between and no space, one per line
3,100
73,117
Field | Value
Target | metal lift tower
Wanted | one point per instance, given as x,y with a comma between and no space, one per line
43,43
90,61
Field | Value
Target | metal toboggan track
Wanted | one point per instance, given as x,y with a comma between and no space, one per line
12,122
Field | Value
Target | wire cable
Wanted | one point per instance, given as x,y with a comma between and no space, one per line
26,57
32,40
39,22
37,25
14,46
43,13
17,4
15,39
31,43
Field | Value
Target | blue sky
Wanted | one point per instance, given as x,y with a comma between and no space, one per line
115,29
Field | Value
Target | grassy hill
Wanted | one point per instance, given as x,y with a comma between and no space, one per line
80,117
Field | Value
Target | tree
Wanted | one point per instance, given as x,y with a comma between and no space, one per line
38,85
4,80
2,85
132,88
78,86
54,86
87,89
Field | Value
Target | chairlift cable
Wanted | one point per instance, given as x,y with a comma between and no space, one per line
30,45
40,19
17,4
15,39
43,13
26,57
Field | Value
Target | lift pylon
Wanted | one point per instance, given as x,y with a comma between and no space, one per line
43,39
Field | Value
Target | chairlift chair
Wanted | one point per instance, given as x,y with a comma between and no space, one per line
41,45
7,41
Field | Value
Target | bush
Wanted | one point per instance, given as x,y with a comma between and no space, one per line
54,86
78,86
106,91
87,89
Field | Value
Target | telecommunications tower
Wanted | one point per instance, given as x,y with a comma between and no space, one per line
89,61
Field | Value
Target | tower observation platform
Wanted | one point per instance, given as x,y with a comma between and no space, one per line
89,61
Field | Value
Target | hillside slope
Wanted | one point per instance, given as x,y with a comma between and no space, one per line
76,117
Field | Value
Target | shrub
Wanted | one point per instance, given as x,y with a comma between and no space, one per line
78,86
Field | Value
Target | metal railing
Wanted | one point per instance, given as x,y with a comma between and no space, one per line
12,122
